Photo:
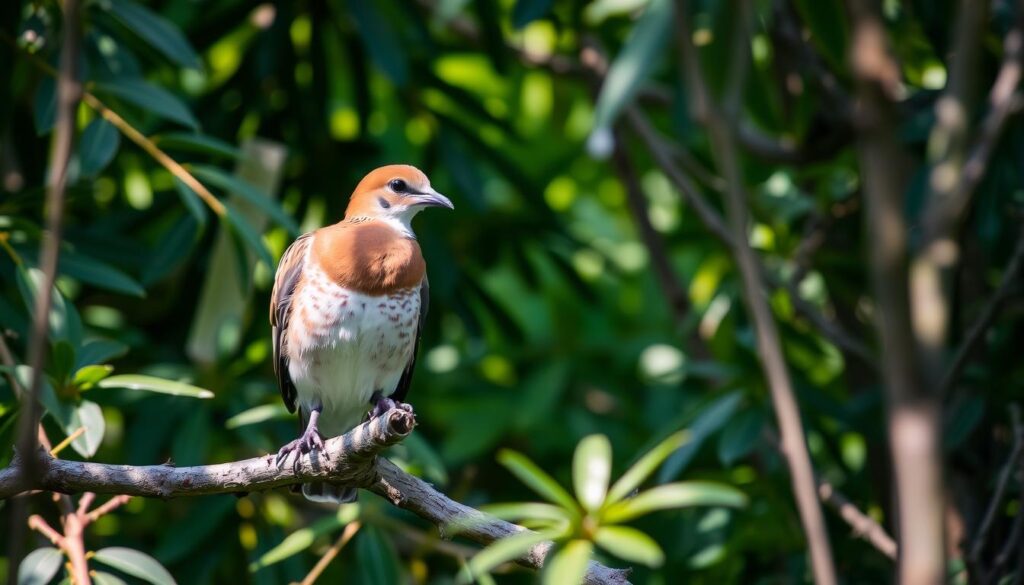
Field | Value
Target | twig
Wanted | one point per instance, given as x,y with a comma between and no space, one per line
69,90
350,459
980,326
981,537
318,568
108,507
67,441
914,416
863,525
721,125
73,542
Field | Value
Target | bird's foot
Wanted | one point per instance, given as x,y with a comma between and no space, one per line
382,404
309,440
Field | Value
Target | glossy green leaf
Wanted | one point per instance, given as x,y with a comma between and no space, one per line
537,479
630,545
740,436
258,414
40,566
674,495
154,384
631,67
97,147
191,201
103,578
89,416
591,470
135,563
157,31
64,322
99,351
87,377
62,412
303,538
251,194
151,98
197,143
61,362
568,564
515,512
645,466
507,549
100,274
247,235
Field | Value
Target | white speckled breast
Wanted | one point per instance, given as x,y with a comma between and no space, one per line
343,345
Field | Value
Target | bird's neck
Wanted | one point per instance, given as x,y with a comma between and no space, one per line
370,256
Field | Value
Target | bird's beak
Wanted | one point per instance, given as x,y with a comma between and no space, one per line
432,198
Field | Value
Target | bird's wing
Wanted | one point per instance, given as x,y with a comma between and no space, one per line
406,380
289,272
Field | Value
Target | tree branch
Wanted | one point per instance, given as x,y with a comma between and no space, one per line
350,459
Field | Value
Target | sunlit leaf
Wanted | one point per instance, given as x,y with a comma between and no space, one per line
591,469
97,147
64,322
303,538
568,564
630,544
40,566
506,549
151,98
157,31
135,563
536,478
89,416
526,510
154,384
645,466
240,188
674,495
88,376
258,414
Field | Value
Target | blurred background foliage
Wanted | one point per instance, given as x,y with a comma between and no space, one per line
549,321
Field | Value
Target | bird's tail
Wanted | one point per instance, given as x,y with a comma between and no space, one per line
331,493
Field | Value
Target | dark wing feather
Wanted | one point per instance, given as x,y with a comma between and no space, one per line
289,272
406,380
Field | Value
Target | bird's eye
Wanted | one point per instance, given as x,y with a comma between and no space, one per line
398,185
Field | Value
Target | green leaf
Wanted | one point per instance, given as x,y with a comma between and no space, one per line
173,249
646,43
40,566
514,512
100,274
153,384
740,436
197,143
97,147
87,377
381,40
150,98
378,562
629,544
423,456
44,105
61,362
527,11
674,495
711,418
568,565
645,466
191,201
157,31
88,415
247,234
258,414
102,578
240,188
135,563
64,322
303,538
537,480
61,411
506,549
591,469
98,351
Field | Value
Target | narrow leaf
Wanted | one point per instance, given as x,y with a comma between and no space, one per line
197,143
537,479
591,469
568,565
40,566
99,351
87,376
150,98
643,468
156,30
191,200
515,512
153,384
630,544
507,549
258,414
675,495
241,228
303,538
99,143
240,188
135,563
92,271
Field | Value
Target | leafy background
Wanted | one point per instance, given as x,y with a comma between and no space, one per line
548,322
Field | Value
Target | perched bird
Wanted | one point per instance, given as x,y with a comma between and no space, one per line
347,309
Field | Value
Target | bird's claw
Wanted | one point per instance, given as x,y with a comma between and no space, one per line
383,404
309,441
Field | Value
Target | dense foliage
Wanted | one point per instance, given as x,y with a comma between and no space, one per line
574,291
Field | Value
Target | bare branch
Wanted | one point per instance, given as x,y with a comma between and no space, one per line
863,525
108,507
350,459
318,568
1016,456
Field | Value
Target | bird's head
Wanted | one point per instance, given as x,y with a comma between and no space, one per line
394,193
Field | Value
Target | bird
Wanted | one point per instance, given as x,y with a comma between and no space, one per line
346,312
